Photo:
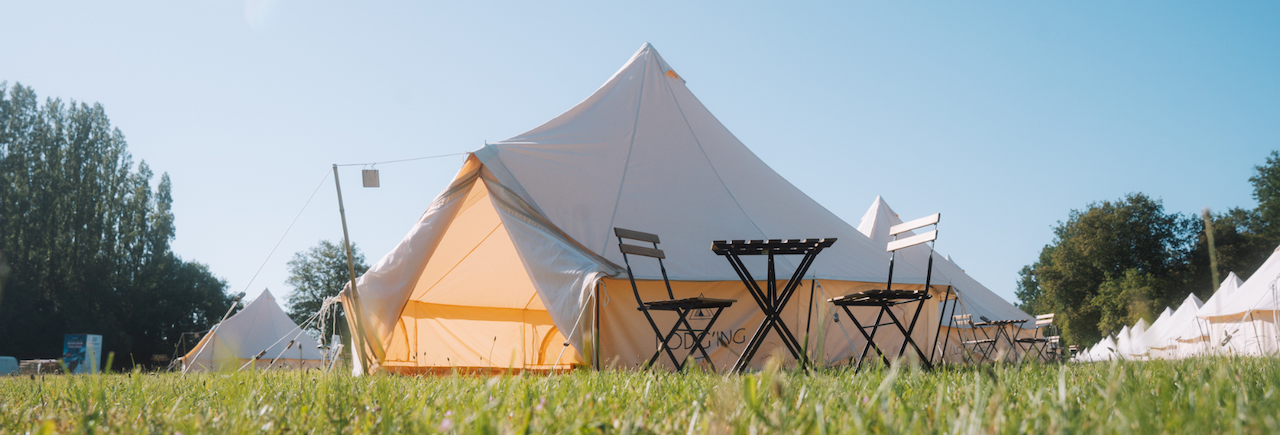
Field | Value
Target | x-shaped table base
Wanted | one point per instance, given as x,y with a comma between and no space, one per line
770,299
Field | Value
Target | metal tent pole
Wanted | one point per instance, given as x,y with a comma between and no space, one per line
373,345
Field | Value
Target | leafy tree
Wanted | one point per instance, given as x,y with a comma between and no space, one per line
1122,300
1266,190
317,274
4,274
1107,243
87,238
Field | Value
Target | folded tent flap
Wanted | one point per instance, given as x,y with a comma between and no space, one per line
482,280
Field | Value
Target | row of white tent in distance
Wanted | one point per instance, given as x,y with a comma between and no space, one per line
1240,318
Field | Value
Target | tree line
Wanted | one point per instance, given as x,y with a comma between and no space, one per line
86,238
1120,260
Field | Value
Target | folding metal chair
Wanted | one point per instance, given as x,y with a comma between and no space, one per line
1038,338
974,346
682,307
888,298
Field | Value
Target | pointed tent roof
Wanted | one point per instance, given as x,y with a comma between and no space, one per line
1105,349
261,325
1259,293
1151,336
1218,300
1182,323
1123,341
643,153
1135,345
976,299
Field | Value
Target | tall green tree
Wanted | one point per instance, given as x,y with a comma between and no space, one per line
317,274
1119,261
87,238
1266,190
1130,245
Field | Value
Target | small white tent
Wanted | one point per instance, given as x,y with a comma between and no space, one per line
1105,350
1249,315
518,254
1199,336
1151,337
1163,339
1123,343
1133,347
260,328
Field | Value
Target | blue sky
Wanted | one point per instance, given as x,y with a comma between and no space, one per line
1003,116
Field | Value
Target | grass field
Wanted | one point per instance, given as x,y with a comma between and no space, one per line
1193,396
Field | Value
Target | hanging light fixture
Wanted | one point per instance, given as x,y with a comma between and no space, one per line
370,177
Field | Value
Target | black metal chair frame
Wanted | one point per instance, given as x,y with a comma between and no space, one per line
682,307
976,344
1043,322
770,299
888,298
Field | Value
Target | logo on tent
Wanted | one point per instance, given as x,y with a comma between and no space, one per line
700,314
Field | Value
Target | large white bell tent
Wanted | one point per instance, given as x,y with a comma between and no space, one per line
1248,318
518,255
261,330
1203,336
968,295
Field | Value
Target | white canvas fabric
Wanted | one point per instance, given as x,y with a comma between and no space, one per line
1163,338
1248,319
527,227
1199,335
1216,305
1123,343
1135,348
260,326
1257,295
1105,350
1151,337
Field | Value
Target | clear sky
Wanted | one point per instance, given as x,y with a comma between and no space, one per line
1005,115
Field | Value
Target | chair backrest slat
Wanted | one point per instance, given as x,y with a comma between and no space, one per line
908,226
642,251
636,235
912,241
1044,319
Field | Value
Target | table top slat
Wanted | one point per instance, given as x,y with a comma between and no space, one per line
775,246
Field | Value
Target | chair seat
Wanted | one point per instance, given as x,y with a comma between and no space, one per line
1031,340
875,298
688,304
987,341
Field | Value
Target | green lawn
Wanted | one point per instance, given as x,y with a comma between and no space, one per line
1192,396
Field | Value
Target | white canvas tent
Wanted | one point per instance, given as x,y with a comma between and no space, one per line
1200,336
974,298
1149,338
1162,339
1106,349
1121,349
260,328
1248,316
517,256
